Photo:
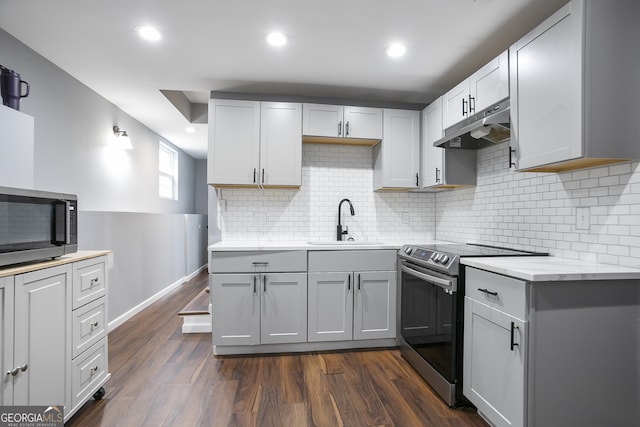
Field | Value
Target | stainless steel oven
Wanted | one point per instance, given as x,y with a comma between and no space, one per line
431,306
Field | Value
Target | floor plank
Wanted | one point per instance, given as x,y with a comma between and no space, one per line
161,377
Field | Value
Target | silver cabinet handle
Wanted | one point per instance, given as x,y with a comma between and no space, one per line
358,282
349,283
254,284
437,177
95,280
94,325
464,110
94,369
472,109
264,283
346,128
24,367
13,372
340,128
513,344
260,263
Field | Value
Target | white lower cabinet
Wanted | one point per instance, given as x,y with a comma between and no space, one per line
351,305
46,344
494,369
555,353
42,307
260,308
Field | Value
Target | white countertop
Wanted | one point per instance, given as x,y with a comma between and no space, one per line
549,269
268,245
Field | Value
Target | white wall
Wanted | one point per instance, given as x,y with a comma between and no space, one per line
537,211
157,243
329,174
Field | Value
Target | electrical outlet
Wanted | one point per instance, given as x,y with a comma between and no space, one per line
260,218
405,217
582,218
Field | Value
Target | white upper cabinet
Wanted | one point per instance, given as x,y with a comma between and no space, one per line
336,121
574,88
255,143
281,144
485,87
443,168
432,157
396,160
234,142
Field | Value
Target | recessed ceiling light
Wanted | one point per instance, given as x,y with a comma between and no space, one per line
149,33
395,50
190,129
277,39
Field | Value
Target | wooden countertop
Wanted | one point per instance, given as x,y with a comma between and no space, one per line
39,265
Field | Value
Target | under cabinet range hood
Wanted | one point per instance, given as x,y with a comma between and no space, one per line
488,127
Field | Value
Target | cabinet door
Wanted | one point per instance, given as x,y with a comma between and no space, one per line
234,142
42,322
6,340
455,104
494,369
281,144
490,84
236,309
400,150
330,306
432,157
323,120
374,307
284,308
363,122
546,92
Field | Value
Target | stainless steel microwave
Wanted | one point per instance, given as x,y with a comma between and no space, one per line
36,225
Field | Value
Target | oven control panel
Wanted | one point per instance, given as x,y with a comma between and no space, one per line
430,258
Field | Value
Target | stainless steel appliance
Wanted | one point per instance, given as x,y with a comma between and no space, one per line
430,323
36,225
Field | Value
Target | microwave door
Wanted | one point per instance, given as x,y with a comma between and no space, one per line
61,221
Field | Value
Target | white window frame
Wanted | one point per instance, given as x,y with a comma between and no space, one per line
172,174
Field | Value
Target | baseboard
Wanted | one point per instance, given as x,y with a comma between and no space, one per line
146,303
196,324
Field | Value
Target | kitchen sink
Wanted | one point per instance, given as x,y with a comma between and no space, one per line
344,242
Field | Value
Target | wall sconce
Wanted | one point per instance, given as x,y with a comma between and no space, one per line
122,139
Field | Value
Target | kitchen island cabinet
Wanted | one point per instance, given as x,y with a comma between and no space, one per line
550,342
41,355
574,88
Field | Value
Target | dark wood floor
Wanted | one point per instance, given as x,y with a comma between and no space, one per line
161,377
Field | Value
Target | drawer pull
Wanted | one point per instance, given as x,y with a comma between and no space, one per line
13,372
95,280
488,292
513,328
94,325
260,263
94,369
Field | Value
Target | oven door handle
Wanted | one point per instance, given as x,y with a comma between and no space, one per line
443,283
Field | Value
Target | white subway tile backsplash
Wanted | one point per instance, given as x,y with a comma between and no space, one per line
534,211
546,203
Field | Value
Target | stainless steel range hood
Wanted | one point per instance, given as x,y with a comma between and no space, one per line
488,127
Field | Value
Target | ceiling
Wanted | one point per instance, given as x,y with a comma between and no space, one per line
335,49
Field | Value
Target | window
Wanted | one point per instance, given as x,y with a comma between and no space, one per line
168,172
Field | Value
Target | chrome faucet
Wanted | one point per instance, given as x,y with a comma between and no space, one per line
340,233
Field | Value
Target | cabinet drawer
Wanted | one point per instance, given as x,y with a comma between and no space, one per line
344,260
88,372
258,261
88,281
89,325
503,293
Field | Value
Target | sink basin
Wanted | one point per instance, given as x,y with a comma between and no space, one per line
345,242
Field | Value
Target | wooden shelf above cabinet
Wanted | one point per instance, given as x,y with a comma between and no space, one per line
339,141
